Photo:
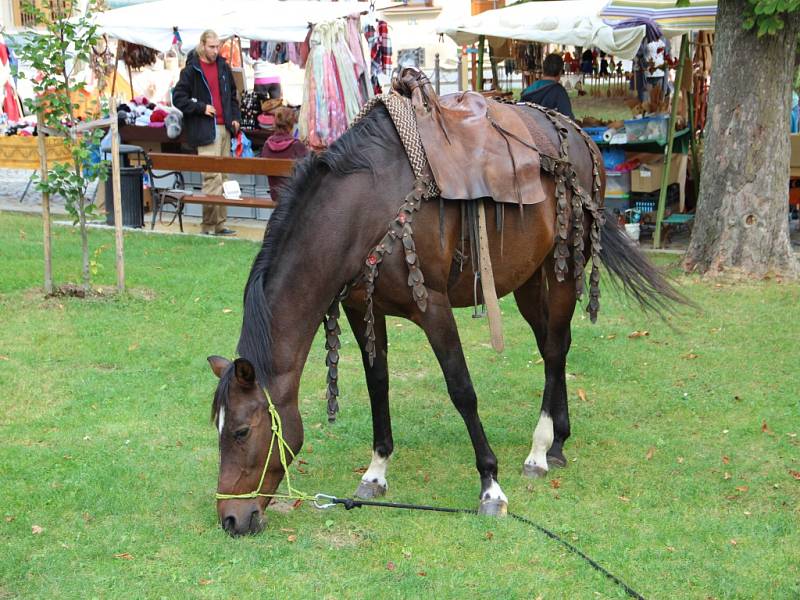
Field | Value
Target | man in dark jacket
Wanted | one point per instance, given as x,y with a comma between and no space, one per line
548,91
206,94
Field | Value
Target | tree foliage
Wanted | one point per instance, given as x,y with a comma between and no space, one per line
767,17
57,54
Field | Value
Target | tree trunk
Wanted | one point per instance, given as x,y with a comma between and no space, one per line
741,222
86,275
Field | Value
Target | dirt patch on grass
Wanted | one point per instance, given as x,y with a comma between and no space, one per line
340,539
71,290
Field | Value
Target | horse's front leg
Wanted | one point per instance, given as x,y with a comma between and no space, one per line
440,327
373,482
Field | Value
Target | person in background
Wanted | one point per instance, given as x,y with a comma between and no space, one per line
795,113
282,144
206,94
548,91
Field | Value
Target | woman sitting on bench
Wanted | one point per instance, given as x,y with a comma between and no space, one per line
282,144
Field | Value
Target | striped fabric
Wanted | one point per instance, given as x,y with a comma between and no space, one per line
699,15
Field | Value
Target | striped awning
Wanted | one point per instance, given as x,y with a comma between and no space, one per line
699,15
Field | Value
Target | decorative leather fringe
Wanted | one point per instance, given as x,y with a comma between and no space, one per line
332,345
399,228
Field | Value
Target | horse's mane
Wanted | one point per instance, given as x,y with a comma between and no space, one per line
359,149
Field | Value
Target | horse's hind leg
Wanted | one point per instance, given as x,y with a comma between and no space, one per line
440,328
549,312
373,482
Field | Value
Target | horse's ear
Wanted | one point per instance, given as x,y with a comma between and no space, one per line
245,372
218,364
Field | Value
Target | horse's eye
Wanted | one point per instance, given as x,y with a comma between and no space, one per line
241,433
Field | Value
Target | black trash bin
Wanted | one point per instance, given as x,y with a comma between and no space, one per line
132,197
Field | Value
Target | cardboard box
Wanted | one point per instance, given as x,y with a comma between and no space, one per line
647,178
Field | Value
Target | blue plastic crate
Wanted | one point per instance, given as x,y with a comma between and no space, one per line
596,133
613,157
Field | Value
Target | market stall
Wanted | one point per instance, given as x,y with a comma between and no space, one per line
637,149
694,19
338,43
331,44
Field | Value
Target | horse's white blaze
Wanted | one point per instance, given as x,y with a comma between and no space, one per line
542,440
377,470
494,492
221,419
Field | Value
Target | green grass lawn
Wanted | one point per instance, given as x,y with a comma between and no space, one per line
683,467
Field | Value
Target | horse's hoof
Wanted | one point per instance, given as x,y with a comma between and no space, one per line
493,508
533,471
370,489
556,461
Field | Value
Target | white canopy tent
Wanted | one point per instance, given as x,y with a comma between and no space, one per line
151,24
567,22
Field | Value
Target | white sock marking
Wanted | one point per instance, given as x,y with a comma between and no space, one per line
494,492
542,440
377,470
221,419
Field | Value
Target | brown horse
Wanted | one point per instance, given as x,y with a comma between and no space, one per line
336,208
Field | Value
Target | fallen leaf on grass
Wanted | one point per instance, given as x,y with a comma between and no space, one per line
10,518
733,542
287,530
611,337
670,548
390,566
297,504
360,470
3,357
489,535
539,361
747,513
302,462
689,356
726,475
422,573
291,538
133,346
725,460
680,460
206,581
638,334
36,530
650,453
582,394
624,498
124,556
795,474
555,483
227,310
742,488
765,428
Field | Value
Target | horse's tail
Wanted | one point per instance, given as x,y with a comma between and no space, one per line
638,277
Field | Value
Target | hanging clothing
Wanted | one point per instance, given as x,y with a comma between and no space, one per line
10,101
231,51
380,51
332,96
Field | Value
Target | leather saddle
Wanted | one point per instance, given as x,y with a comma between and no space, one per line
476,147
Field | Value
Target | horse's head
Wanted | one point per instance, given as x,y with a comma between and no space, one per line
242,416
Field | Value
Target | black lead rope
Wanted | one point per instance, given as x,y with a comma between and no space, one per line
351,503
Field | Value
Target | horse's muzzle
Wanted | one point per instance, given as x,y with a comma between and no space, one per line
242,520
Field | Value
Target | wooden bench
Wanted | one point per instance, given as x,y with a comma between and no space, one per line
176,164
